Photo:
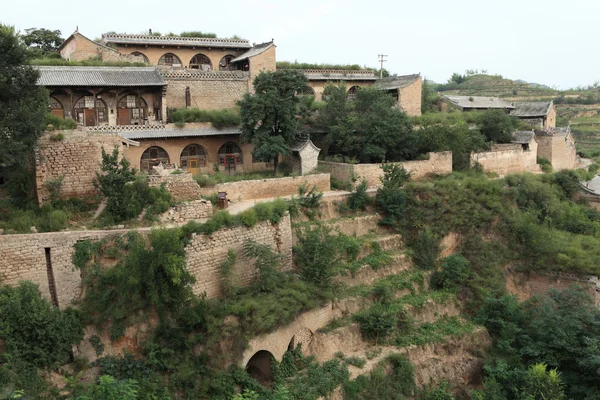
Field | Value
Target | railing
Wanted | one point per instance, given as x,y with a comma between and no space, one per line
124,128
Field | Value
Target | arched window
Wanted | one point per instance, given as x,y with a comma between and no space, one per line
132,110
352,91
169,59
307,91
140,54
90,111
56,108
225,63
230,156
193,157
200,61
153,156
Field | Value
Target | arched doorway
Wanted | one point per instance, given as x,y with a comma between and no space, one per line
56,108
230,156
307,91
200,61
153,156
193,157
90,111
140,54
259,367
169,59
352,91
132,110
225,63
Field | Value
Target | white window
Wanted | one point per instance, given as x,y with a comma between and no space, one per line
89,101
131,103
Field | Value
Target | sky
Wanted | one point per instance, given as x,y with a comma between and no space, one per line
551,42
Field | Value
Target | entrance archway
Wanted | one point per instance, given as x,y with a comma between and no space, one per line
153,156
259,367
193,157
230,156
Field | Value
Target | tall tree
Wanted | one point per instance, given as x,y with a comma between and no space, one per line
270,119
23,108
42,41
497,125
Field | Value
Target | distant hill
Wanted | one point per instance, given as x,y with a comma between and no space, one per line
496,85
534,85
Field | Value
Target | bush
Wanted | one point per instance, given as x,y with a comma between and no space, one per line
455,273
358,199
377,323
425,249
391,197
218,118
205,180
60,123
545,165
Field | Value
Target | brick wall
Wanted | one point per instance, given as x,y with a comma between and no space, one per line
266,188
208,90
197,210
76,158
265,61
509,158
181,186
24,257
564,155
410,98
205,254
437,163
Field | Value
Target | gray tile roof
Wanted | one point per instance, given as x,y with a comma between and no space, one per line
339,75
523,137
99,76
111,38
396,82
532,109
178,133
479,102
254,51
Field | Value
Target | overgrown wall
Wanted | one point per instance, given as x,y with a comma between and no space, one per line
77,158
24,257
506,159
269,188
437,163
181,186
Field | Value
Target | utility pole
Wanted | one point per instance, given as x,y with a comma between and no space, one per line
381,61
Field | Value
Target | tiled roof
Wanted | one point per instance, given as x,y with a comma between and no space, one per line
532,109
523,137
99,76
179,133
479,102
300,144
173,41
339,75
396,82
254,51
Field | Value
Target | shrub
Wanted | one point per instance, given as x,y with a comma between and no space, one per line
205,180
358,199
456,272
218,118
545,165
391,197
377,323
60,123
56,220
54,186
425,249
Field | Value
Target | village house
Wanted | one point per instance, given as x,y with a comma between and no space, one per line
474,103
557,145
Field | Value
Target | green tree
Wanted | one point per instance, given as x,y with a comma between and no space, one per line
497,125
270,119
22,113
373,129
391,197
541,384
330,118
42,41
430,101
112,184
108,388
455,273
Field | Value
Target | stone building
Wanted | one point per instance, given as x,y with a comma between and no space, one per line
406,89
305,157
540,114
105,96
474,103
557,145
77,47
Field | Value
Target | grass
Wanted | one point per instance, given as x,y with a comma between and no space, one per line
221,177
435,332
218,118
297,65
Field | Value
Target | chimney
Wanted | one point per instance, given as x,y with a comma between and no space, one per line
150,32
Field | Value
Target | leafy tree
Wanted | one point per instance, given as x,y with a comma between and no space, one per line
391,197
108,388
370,127
270,119
457,78
455,273
330,118
112,183
430,101
497,125
542,384
22,114
42,41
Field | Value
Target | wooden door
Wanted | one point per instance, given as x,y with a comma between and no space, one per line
194,167
124,116
90,117
59,112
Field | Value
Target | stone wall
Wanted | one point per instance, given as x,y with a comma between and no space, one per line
410,98
197,210
559,150
24,257
437,163
76,158
268,188
205,254
181,186
265,61
209,90
509,158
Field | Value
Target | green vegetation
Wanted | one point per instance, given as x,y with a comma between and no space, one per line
59,123
41,42
392,379
92,62
269,116
218,118
221,177
297,65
